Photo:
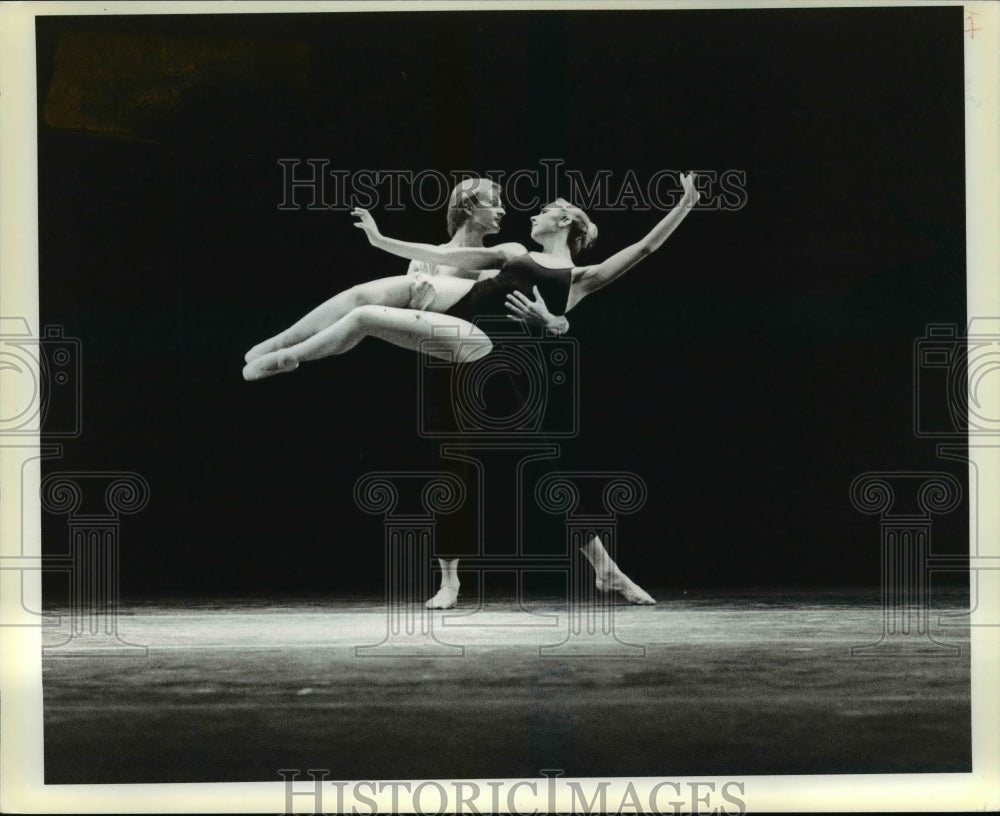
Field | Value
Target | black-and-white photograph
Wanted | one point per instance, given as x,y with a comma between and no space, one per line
553,394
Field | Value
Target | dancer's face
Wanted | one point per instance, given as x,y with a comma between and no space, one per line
488,215
549,220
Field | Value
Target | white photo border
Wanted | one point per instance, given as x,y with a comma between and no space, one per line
21,746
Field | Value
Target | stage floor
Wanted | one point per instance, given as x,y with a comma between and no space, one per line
720,684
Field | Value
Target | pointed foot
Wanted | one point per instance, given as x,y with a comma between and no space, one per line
267,365
630,591
262,348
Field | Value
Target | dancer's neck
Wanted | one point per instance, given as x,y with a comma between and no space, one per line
467,236
555,247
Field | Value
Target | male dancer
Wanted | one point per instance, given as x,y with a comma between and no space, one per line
475,210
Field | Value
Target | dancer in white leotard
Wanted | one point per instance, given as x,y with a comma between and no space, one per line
370,310
387,308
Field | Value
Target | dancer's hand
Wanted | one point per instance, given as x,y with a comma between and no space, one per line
535,312
366,223
691,194
422,291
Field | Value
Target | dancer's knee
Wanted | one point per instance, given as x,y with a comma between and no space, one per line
460,351
366,314
468,351
475,350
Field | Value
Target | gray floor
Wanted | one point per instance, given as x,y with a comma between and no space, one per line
764,683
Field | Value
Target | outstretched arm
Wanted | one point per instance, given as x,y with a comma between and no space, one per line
589,279
463,257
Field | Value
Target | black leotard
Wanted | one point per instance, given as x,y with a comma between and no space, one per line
501,393
487,298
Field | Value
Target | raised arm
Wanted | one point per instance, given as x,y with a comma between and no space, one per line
463,257
589,279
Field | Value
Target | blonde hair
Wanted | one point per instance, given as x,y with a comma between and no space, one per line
582,231
465,191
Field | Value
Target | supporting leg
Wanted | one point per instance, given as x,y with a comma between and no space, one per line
610,578
447,595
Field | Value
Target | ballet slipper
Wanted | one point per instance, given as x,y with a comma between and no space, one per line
444,599
267,365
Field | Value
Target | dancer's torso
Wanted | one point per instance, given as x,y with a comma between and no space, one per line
444,271
488,297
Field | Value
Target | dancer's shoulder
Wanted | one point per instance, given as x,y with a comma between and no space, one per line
511,250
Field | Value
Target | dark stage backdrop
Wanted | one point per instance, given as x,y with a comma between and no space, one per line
748,371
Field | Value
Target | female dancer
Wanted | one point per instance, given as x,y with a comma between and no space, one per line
386,308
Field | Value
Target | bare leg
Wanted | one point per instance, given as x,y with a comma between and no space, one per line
448,594
456,340
394,291
610,577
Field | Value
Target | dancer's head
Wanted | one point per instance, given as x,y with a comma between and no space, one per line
476,202
561,217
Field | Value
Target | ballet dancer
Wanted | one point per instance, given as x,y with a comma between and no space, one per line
404,311
560,229
475,211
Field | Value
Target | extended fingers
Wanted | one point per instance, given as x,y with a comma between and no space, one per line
516,306
365,221
364,218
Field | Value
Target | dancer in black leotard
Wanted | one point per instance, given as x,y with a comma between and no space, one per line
524,275
378,309
387,309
